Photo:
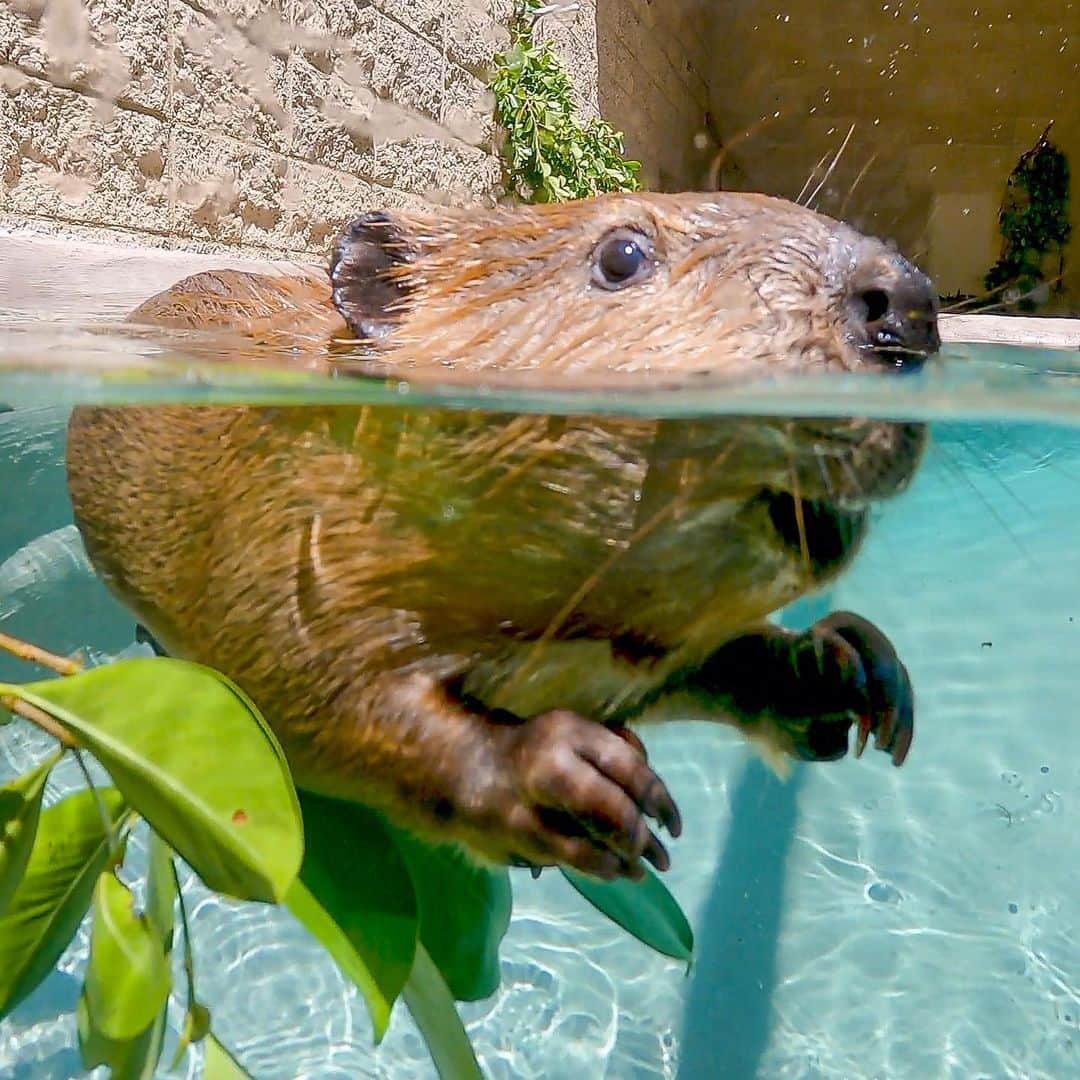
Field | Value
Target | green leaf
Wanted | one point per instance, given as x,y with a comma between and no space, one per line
432,1007
129,1059
464,914
220,1063
127,977
136,1058
20,808
321,925
191,754
355,896
643,908
69,854
161,891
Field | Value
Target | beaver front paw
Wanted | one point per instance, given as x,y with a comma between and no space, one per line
581,797
813,686
883,699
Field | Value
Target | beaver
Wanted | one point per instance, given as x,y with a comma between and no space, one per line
452,615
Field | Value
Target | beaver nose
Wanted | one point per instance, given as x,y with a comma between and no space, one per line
895,308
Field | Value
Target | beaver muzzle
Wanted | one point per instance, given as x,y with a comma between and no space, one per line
893,308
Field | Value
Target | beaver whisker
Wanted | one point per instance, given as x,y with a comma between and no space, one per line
810,179
857,495
832,166
826,479
906,350
796,494
902,358
800,519
680,499
858,179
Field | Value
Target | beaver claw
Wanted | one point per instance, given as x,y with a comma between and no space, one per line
880,683
583,794
815,685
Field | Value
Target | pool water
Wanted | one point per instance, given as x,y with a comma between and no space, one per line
857,921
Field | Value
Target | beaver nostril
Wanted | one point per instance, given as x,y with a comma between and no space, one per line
877,304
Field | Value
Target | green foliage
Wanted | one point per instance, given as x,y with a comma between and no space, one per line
20,809
127,976
127,1059
462,937
76,840
643,908
158,727
432,1007
190,755
355,895
1034,220
235,818
551,155
220,1064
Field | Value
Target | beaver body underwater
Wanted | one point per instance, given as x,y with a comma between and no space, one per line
450,615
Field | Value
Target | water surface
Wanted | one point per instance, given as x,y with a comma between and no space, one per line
858,921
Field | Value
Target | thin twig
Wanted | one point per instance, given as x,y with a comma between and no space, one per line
39,717
110,828
36,655
189,958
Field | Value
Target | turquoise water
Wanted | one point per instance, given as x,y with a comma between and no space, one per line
858,921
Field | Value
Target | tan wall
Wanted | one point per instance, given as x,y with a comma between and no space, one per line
244,124
241,123
945,97
572,33
654,61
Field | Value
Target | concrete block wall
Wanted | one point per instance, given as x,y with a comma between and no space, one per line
571,30
258,126
243,125
654,65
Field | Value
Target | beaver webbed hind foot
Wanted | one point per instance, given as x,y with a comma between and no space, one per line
582,795
813,686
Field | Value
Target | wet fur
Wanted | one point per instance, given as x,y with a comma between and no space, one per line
384,581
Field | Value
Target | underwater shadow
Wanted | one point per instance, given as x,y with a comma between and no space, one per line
729,1008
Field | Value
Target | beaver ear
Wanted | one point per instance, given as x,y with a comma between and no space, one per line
368,296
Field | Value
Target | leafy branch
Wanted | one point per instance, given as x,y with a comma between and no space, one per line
190,755
1034,222
550,153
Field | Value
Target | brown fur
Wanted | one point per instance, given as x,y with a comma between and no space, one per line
384,581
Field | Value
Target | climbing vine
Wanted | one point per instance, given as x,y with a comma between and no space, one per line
1034,223
550,153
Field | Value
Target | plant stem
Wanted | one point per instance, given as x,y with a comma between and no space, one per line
40,718
36,655
113,833
189,959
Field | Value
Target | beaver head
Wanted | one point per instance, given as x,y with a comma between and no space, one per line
644,287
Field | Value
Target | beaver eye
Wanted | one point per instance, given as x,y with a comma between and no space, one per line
622,258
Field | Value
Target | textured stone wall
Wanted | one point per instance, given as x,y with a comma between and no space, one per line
944,99
253,125
257,126
655,60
